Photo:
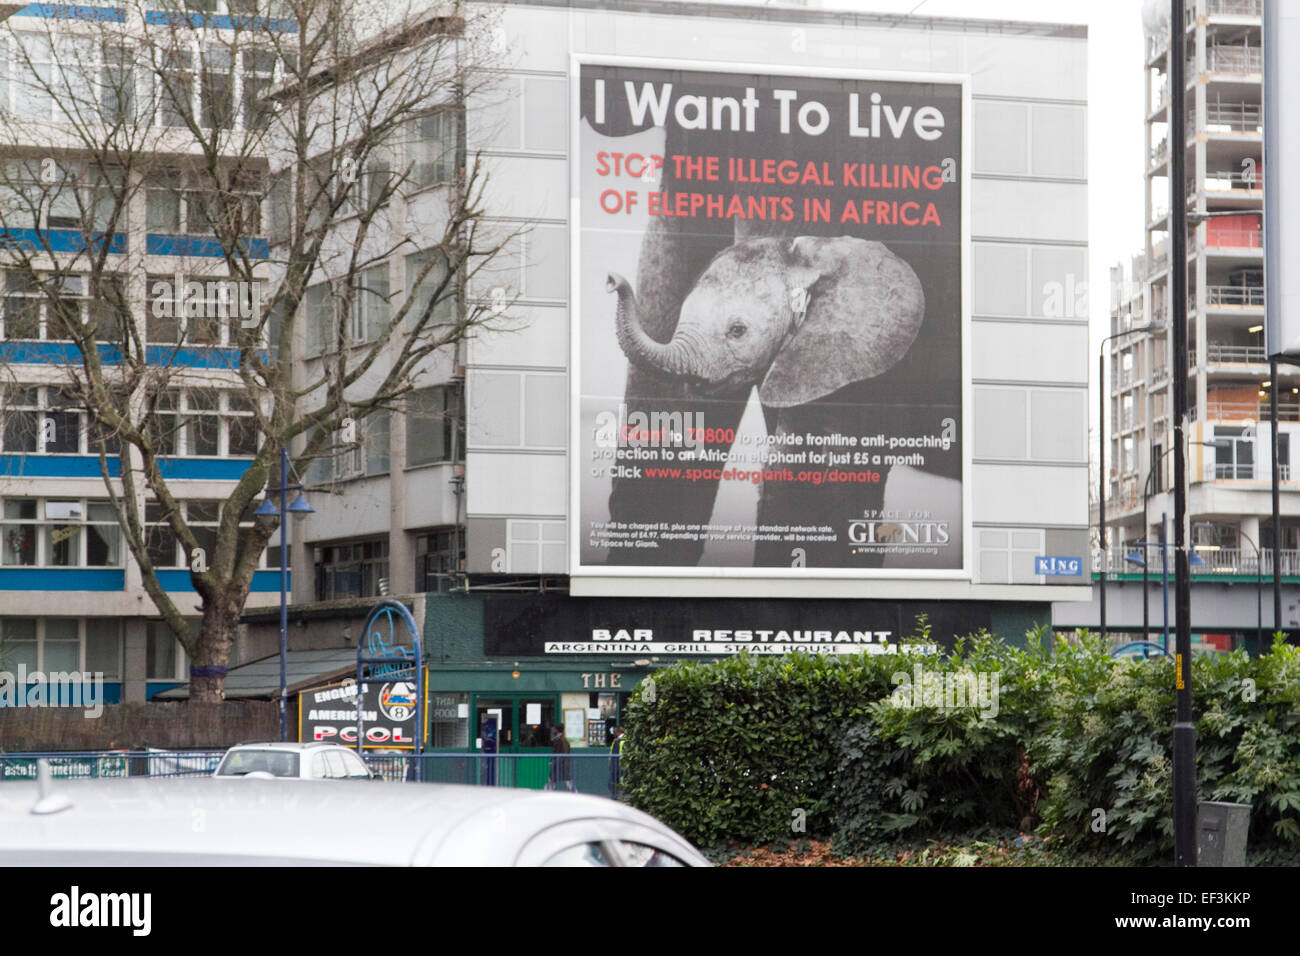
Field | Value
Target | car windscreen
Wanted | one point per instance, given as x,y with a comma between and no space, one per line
278,763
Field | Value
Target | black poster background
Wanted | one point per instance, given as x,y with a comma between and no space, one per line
910,399
521,625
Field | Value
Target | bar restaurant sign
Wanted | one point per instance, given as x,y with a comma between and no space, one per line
705,628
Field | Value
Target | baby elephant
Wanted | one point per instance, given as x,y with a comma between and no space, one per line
800,318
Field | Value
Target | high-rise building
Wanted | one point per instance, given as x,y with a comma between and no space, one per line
1228,451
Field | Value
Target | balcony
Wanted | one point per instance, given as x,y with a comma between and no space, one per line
1250,411
1235,8
1219,354
1227,180
1229,238
1233,118
1240,60
1234,295
1225,561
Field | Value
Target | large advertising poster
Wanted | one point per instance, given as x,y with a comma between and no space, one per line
768,364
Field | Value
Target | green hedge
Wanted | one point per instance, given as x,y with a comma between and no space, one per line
755,750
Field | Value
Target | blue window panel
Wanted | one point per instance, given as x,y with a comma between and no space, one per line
54,11
65,353
220,21
157,244
110,692
157,687
62,579
61,240
264,582
87,466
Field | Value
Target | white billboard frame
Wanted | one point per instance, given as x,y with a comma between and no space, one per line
965,573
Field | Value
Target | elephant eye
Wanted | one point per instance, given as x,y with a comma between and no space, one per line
736,330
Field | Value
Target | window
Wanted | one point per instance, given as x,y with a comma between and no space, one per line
370,313
51,307
61,644
60,533
190,202
355,569
41,421
434,425
19,530
218,93
1234,454
104,647
165,658
366,454
18,643
160,539
258,76
432,149
176,83
419,294
318,306
34,99
438,555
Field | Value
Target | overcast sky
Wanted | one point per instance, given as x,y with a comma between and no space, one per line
1115,100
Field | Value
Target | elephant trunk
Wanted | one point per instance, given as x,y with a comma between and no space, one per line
670,358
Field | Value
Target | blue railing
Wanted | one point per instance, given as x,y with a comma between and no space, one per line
101,764
577,772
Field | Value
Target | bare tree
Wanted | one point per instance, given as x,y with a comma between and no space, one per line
277,155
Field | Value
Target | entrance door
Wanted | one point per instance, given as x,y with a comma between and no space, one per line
503,710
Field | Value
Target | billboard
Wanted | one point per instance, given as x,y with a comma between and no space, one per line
768,369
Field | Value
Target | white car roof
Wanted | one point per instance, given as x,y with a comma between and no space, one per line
186,821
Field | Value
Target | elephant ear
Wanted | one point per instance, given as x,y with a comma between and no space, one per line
863,312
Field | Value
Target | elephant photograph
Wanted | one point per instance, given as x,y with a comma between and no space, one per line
783,392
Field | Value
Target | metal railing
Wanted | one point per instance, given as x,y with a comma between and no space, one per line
579,772
1238,471
1235,295
1235,8
1230,180
1240,411
1232,59
1235,354
1234,239
1222,561
1156,155
99,764
1233,118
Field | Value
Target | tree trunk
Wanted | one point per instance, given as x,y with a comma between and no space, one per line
215,642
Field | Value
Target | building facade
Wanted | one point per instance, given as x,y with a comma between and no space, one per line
484,495
926,473
71,595
1229,448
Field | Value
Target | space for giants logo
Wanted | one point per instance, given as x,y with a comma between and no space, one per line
912,532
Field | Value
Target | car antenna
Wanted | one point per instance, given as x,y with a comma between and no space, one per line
47,801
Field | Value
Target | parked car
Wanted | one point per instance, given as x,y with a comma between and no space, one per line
309,761
204,821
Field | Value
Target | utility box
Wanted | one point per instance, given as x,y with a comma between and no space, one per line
1221,833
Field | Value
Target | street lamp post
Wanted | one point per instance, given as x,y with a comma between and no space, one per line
1101,457
266,509
1184,737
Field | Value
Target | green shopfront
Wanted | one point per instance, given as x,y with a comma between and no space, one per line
537,660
